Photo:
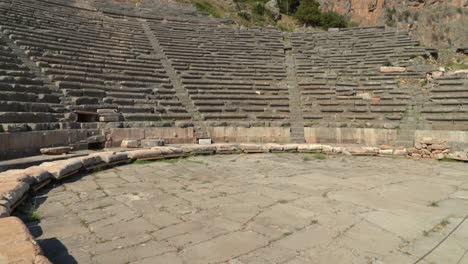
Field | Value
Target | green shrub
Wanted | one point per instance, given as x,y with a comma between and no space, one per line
259,9
308,12
390,17
332,20
288,7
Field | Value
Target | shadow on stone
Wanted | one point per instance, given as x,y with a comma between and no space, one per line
55,251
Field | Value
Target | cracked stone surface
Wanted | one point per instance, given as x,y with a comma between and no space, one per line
262,208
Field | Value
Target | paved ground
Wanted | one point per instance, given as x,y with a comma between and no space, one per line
265,208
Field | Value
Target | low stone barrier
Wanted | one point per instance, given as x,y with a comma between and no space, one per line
16,184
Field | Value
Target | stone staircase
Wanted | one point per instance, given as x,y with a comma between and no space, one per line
200,130
295,109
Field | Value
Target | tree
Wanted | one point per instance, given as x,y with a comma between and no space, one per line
308,12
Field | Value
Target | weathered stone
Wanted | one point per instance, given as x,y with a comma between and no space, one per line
437,146
199,149
458,155
56,150
362,151
274,147
96,139
272,7
149,143
63,168
226,148
12,192
253,148
309,148
400,152
130,143
386,152
90,160
17,245
113,157
386,69
290,147
205,141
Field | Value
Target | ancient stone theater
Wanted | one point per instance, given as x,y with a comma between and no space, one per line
151,132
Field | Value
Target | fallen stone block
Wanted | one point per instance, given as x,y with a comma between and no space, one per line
437,146
56,150
290,147
309,148
389,69
327,149
458,155
199,149
176,152
145,154
130,143
253,148
386,152
62,168
149,143
113,158
12,193
362,151
400,152
227,148
17,245
16,176
272,147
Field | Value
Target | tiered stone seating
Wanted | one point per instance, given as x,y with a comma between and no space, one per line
23,97
232,75
446,106
95,61
339,76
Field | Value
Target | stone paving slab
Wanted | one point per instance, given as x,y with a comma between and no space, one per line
257,208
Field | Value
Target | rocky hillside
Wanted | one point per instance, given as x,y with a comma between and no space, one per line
438,23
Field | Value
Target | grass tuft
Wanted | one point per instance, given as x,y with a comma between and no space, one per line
434,204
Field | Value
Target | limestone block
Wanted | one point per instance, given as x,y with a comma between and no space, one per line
400,152
199,149
437,146
386,69
458,155
385,151
109,118
149,143
12,192
226,148
169,150
16,176
274,147
327,149
113,157
90,160
290,147
253,148
204,141
362,151
17,245
145,154
130,143
96,139
306,148
38,173
63,168
56,150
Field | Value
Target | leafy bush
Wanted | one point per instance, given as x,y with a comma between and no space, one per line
288,7
390,17
259,9
333,20
309,13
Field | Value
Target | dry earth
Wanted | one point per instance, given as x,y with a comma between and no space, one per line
263,208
